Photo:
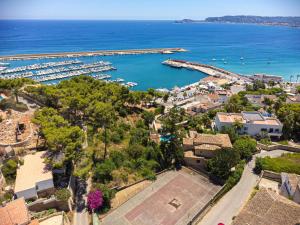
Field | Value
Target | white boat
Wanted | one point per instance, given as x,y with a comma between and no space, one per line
242,58
213,59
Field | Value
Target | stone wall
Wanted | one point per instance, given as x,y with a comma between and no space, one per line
271,175
44,204
279,147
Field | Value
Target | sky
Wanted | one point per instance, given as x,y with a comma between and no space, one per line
143,9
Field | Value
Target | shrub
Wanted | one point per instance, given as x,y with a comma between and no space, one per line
94,200
107,194
62,194
103,171
9,169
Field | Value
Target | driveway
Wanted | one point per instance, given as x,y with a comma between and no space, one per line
231,204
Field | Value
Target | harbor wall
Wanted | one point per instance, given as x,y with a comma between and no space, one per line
93,53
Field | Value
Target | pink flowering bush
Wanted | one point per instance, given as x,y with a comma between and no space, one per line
95,200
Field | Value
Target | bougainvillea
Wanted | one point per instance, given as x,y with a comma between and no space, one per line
95,200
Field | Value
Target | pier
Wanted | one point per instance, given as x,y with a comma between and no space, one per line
92,53
207,69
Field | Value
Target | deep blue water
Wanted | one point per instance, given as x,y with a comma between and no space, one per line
265,49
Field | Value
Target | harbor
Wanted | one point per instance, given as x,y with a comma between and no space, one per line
207,69
92,53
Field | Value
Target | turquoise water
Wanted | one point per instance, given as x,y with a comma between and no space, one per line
265,49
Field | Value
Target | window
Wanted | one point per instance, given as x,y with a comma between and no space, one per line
245,128
198,161
271,130
264,129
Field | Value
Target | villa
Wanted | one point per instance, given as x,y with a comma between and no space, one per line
34,179
253,123
200,147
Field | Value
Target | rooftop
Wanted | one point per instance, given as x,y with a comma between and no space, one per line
247,117
15,212
267,207
204,140
34,170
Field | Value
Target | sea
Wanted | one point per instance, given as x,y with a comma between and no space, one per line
240,48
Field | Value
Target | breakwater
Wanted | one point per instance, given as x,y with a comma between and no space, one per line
207,69
92,53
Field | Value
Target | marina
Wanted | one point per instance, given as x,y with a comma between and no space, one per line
92,53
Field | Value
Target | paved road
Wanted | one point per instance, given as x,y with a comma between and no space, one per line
81,215
230,205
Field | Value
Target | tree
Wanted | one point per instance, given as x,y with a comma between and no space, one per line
172,148
103,171
246,147
148,117
232,133
9,169
95,200
220,165
102,115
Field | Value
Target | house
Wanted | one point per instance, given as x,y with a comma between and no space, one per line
253,123
290,186
292,99
16,213
34,179
200,147
267,78
259,100
266,208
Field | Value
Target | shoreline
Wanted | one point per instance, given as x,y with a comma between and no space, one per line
91,53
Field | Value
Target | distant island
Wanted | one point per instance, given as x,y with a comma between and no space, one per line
263,20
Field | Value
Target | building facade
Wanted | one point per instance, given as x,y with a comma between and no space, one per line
253,123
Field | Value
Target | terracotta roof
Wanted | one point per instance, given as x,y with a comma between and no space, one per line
267,207
221,140
208,147
15,212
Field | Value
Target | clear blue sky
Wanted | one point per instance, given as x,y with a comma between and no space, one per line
143,9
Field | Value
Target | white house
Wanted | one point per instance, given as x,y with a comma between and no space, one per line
33,178
290,186
254,123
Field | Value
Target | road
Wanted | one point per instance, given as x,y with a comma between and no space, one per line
81,215
231,204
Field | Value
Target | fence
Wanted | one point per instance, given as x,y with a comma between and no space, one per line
271,175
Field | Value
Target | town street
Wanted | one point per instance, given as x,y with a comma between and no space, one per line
230,205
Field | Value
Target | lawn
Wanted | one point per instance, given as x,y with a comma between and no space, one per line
289,163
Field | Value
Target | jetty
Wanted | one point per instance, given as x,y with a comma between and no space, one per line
92,53
207,69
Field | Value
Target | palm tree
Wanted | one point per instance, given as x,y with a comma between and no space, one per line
291,77
297,78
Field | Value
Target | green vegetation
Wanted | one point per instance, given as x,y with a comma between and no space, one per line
246,147
289,115
235,176
62,194
220,166
266,141
289,163
9,169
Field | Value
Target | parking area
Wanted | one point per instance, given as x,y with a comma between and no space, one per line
173,199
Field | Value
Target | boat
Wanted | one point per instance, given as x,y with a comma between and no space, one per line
4,64
225,62
242,58
131,84
213,59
